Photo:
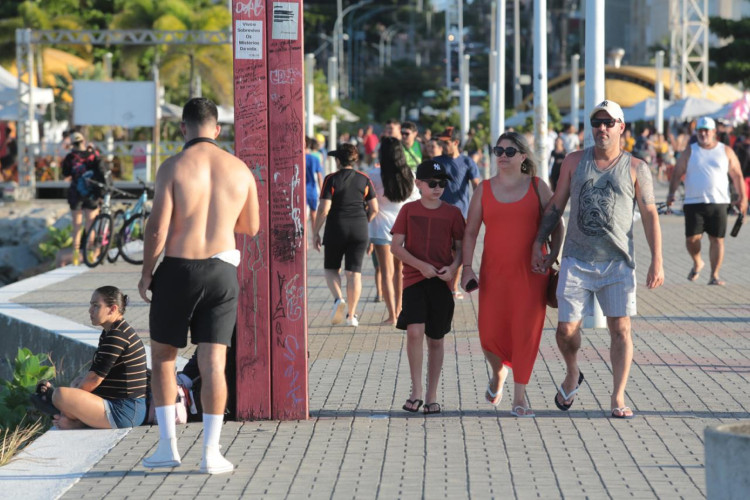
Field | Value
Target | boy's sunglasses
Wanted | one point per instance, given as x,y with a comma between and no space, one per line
433,184
510,151
607,122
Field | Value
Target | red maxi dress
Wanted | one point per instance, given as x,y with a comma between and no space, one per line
512,298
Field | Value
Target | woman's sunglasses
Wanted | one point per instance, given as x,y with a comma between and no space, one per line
607,122
433,184
510,151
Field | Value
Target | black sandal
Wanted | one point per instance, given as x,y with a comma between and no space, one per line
412,402
429,409
42,399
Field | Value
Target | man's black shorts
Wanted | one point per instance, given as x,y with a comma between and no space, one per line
78,202
200,295
708,218
430,302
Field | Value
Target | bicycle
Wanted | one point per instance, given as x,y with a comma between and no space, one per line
97,239
130,236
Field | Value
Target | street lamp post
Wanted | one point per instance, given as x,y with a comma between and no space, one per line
338,39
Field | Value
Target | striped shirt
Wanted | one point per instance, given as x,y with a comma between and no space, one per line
120,359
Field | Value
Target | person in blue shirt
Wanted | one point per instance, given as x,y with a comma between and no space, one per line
313,178
463,172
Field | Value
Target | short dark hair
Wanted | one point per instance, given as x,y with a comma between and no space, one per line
199,110
112,296
409,126
347,154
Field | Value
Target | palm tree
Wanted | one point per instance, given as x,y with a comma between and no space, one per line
213,63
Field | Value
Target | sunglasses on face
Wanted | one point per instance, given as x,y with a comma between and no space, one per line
607,122
433,183
510,151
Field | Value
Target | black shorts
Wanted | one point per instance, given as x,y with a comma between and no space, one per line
430,302
708,218
346,240
200,295
78,202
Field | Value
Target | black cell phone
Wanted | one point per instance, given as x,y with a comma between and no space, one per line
472,285
737,225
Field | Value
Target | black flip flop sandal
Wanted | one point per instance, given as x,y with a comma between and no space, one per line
430,409
565,407
413,402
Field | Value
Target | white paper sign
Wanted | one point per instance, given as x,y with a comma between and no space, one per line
248,40
285,20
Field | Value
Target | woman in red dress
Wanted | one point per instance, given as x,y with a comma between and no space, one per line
512,298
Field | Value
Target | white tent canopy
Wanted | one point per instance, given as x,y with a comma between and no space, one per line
9,90
691,107
644,110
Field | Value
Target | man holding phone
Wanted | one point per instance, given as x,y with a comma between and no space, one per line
707,166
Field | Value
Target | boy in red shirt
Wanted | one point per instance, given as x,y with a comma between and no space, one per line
427,238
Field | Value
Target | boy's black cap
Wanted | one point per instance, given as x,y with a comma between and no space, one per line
431,170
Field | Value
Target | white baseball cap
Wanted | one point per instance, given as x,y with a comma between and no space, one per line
706,122
611,108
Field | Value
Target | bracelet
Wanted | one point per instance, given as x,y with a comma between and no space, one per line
466,265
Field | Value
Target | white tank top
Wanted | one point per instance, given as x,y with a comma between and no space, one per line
706,179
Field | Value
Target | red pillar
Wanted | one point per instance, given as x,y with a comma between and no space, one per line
251,146
286,164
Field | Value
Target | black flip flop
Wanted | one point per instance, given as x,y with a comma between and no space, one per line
43,405
429,408
412,402
562,406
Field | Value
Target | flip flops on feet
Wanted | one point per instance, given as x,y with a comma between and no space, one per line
566,406
624,413
431,408
717,281
412,405
522,412
42,398
491,396
693,274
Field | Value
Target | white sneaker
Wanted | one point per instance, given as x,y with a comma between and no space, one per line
166,455
214,463
337,315
352,320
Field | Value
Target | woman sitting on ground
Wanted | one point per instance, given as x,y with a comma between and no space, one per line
113,393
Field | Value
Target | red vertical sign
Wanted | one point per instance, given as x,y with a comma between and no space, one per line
251,146
287,210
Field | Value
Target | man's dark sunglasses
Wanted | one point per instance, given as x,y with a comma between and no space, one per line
607,122
510,151
433,183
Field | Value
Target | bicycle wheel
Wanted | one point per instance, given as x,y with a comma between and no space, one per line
97,240
118,221
131,238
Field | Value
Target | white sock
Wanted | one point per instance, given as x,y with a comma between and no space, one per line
212,429
165,416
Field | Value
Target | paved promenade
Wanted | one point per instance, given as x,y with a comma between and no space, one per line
691,369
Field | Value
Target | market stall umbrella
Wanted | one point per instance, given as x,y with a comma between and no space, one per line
644,110
691,107
736,112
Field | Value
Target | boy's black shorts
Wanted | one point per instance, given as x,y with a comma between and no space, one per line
430,302
200,295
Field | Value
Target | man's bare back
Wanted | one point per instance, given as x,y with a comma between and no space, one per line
213,195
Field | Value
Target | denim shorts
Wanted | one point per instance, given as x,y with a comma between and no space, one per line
611,283
123,413
380,241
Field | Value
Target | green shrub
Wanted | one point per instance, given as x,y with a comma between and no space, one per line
56,240
28,370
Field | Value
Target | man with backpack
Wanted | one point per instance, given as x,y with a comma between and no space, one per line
79,166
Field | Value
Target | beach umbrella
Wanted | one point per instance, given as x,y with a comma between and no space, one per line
518,119
691,107
644,110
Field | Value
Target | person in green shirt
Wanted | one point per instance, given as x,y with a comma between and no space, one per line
412,148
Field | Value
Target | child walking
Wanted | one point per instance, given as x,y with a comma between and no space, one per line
427,238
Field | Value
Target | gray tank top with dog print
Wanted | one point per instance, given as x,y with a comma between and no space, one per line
602,203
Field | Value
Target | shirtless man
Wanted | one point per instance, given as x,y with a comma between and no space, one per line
203,196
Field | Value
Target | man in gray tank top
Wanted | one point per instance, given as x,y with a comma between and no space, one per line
707,166
603,183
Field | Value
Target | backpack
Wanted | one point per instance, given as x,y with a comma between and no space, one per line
94,170
184,404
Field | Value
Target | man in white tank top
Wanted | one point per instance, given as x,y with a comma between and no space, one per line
707,166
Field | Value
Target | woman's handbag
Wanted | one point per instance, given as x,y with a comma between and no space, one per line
554,273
